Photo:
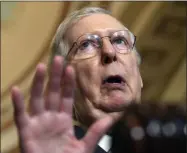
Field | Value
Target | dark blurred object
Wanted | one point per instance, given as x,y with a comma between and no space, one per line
151,128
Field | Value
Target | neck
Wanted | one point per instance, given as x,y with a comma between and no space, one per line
82,113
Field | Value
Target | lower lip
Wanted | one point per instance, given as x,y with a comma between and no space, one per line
114,86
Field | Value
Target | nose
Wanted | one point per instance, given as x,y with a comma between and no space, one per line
108,53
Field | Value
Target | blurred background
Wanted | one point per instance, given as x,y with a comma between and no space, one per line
28,27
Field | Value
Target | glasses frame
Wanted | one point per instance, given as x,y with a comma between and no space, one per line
75,43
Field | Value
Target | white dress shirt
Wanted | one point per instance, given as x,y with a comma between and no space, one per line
105,143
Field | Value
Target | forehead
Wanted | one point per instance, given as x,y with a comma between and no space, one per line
100,24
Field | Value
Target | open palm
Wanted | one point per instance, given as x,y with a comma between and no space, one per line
48,128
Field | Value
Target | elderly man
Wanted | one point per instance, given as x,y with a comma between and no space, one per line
99,77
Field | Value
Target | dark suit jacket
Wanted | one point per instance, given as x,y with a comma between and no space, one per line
79,133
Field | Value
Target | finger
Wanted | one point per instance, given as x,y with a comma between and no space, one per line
20,115
97,130
54,89
68,90
36,99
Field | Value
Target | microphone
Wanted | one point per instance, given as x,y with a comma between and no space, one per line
151,128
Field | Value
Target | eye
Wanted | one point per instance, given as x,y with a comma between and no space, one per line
88,45
85,44
119,41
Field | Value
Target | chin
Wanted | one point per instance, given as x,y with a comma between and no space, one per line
115,102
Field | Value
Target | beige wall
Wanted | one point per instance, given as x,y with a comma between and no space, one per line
25,37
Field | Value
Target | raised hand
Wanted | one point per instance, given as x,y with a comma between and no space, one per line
49,128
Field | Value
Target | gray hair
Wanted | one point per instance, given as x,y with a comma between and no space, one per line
60,45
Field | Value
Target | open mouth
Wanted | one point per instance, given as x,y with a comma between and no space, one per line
113,80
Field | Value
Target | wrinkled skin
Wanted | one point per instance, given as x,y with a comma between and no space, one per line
97,100
48,128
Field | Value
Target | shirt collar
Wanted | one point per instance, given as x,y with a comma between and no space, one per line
105,143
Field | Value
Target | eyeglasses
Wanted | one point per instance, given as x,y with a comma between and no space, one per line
89,45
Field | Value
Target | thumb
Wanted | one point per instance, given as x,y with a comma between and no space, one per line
97,130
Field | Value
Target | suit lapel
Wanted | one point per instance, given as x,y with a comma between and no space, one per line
79,133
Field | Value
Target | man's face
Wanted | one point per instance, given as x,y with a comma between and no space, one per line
101,95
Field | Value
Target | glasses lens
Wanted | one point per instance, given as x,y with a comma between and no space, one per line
123,41
87,46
